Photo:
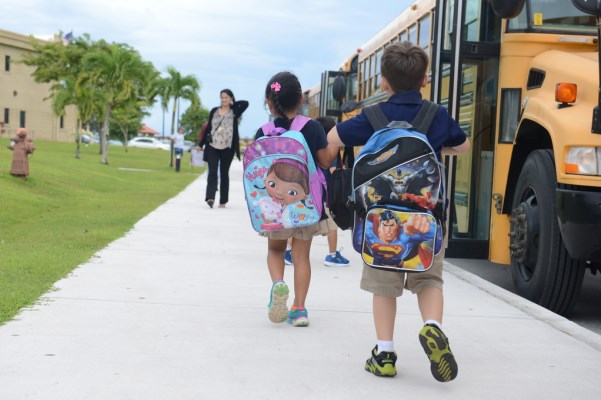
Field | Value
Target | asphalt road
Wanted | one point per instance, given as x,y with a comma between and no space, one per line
587,312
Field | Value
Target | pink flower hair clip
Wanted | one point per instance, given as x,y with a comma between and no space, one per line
275,86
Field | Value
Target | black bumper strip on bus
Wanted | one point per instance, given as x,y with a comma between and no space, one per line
579,217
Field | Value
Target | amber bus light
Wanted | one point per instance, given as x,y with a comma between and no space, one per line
565,93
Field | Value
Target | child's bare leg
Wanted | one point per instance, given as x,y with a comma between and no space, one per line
384,316
302,270
431,302
275,258
332,240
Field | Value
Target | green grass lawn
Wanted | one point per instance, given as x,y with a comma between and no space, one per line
68,209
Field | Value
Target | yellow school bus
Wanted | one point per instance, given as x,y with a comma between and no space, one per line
522,79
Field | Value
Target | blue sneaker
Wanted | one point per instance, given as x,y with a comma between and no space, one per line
288,257
278,310
298,317
337,260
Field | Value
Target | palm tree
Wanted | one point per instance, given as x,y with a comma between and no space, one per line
120,73
179,87
59,65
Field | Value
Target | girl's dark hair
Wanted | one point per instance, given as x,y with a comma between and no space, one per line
285,92
229,93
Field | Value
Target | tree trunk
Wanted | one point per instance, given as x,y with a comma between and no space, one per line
105,135
77,140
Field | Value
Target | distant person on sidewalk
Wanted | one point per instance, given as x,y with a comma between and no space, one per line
178,147
283,96
21,146
334,258
220,142
404,68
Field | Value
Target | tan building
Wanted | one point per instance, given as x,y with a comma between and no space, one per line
22,103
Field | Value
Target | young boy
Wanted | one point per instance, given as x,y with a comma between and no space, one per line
404,69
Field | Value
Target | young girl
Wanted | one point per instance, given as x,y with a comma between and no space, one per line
283,96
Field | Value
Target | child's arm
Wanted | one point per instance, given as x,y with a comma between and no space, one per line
454,151
322,157
333,148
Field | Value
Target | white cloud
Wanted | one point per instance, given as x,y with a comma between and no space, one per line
236,44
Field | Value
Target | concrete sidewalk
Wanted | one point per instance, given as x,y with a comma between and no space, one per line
176,309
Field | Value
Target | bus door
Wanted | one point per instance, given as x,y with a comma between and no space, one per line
332,93
465,81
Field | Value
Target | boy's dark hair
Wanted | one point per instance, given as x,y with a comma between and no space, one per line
404,66
327,122
285,92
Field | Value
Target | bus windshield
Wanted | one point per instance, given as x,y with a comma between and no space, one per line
557,16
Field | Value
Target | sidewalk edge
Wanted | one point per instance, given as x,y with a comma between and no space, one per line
542,314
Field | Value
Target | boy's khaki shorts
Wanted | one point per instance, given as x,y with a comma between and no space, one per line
391,284
331,224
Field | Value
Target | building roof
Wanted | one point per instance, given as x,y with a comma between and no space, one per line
146,130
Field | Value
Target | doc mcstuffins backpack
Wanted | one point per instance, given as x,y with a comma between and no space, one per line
283,187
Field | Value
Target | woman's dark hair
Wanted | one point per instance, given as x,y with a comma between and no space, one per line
229,93
285,92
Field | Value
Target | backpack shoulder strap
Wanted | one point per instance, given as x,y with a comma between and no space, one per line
376,117
299,123
425,116
268,128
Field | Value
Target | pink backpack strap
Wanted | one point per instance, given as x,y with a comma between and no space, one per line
268,128
299,123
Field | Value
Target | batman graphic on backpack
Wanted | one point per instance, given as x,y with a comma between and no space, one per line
283,187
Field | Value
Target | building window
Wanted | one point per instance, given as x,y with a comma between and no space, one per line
22,119
6,115
7,63
62,122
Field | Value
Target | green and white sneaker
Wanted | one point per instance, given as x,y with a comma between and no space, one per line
278,310
382,363
436,345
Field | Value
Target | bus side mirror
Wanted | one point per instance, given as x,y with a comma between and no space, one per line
592,7
507,8
338,89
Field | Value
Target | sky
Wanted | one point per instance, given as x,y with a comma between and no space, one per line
235,44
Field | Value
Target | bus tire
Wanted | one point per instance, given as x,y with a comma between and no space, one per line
541,269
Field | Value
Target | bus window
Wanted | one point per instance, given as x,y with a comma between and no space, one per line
372,75
413,33
363,82
449,25
553,15
403,36
378,80
519,23
472,21
424,34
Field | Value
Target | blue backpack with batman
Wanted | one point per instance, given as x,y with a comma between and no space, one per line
397,194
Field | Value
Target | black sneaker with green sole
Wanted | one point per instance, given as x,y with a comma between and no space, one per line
436,345
381,364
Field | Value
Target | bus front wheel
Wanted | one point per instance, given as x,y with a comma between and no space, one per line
541,269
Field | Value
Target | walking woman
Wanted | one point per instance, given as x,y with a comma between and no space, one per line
220,143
